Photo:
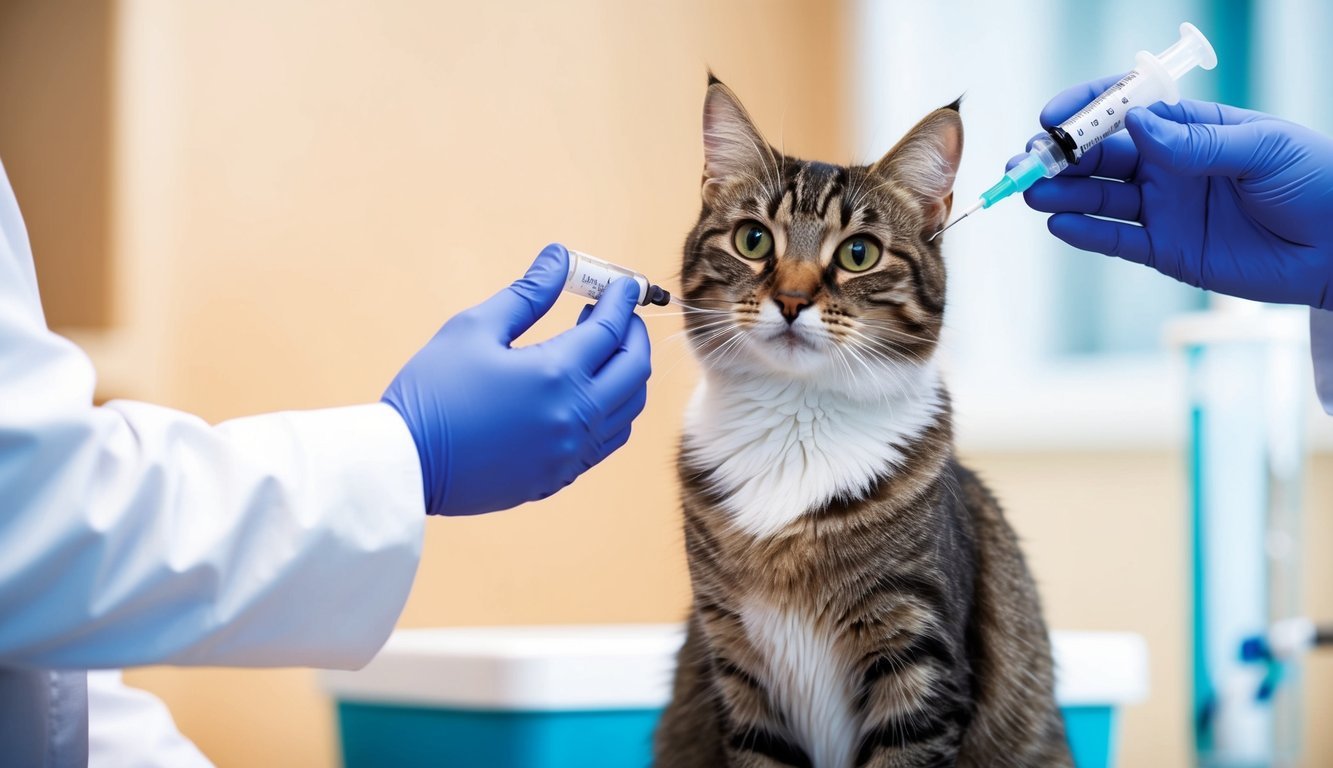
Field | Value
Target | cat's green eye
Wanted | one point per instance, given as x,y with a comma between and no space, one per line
753,240
857,254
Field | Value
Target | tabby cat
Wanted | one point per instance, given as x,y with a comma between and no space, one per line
859,599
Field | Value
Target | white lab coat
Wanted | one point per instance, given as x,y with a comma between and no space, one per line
129,728
134,534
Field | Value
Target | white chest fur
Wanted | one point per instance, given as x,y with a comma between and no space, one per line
809,680
777,448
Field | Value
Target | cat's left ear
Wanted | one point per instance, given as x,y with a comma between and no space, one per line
926,161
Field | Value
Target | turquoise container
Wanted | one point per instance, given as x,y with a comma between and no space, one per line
1091,733
590,697
375,735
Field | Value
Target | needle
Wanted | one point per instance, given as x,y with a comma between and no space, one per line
961,216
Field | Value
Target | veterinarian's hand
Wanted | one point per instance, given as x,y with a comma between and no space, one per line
497,426
1221,198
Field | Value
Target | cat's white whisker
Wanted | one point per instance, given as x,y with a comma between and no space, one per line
732,343
695,308
882,347
710,339
890,328
851,373
726,326
885,348
845,353
715,339
890,363
884,395
706,322
903,335
685,333
709,331
706,312
732,349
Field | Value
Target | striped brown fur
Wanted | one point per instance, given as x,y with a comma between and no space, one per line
890,621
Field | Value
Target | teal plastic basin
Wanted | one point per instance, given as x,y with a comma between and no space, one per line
407,737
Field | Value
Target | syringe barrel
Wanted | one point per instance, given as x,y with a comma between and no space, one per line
589,276
1153,79
1106,114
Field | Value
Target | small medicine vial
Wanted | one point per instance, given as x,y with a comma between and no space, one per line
589,276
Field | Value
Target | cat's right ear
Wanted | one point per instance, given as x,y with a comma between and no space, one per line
733,147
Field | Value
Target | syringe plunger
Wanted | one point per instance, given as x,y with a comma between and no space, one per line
1191,50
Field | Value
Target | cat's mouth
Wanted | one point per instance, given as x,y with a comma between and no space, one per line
791,339
793,348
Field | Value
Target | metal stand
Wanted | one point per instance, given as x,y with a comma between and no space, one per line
1248,379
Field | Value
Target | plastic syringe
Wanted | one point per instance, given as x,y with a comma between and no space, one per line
1152,80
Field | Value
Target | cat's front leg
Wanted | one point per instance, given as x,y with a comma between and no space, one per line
926,740
755,735
941,755
913,706
748,748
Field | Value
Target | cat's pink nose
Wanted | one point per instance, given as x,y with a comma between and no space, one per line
791,303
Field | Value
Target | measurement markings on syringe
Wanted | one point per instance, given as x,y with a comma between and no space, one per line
1083,148
1103,104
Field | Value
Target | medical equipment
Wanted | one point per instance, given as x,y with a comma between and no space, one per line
1287,640
1247,375
589,276
1152,80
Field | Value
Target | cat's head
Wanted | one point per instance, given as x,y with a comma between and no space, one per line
818,271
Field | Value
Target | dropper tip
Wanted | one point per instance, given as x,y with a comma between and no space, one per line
658,296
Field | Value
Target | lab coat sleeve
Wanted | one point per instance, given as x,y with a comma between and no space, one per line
1321,348
133,534
138,535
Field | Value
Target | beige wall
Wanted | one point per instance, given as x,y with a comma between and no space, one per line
55,138
305,190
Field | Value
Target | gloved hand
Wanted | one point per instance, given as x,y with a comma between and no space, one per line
497,426
1229,200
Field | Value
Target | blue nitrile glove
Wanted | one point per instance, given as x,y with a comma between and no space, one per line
1230,200
496,426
